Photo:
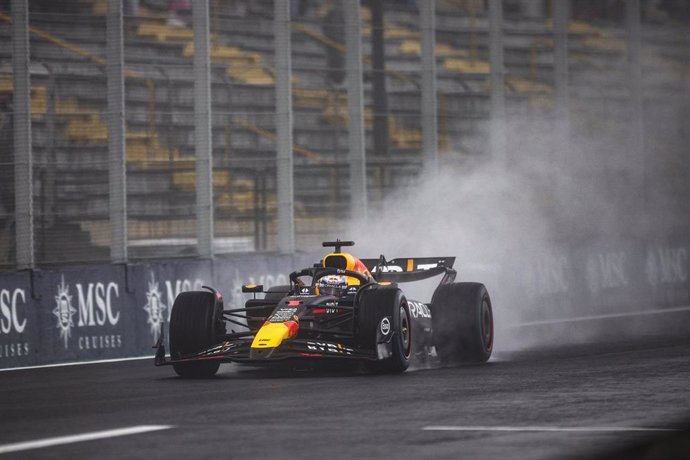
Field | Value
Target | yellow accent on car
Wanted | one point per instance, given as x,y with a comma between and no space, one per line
410,265
349,260
271,335
350,264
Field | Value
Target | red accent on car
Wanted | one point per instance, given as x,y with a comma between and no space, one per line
318,311
293,327
361,268
294,303
311,355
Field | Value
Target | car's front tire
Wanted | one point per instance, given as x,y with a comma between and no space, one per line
196,324
374,305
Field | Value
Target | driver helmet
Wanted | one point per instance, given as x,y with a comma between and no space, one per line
335,285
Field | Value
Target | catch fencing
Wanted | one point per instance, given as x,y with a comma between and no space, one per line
135,130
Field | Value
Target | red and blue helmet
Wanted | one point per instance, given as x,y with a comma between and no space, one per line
335,285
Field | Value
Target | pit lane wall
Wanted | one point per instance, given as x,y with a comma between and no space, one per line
112,311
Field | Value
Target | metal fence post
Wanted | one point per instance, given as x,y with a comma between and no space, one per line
23,157
634,32
561,15
497,133
202,129
116,132
427,16
355,109
286,225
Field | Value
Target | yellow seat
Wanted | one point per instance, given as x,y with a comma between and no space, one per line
467,66
86,128
165,33
186,180
520,85
414,48
251,75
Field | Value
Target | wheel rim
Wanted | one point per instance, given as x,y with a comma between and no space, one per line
405,330
487,325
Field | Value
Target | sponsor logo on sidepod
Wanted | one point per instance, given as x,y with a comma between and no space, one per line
419,309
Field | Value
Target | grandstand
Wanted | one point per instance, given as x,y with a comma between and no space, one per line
70,135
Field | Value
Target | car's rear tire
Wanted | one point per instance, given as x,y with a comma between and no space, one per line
462,322
196,323
374,305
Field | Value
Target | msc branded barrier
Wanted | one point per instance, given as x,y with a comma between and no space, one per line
113,311
605,276
598,290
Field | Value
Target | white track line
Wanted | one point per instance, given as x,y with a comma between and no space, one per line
49,442
564,429
605,316
78,363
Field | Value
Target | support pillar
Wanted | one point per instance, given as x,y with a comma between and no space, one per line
23,156
116,132
497,130
355,109
285,167
427,16
202,129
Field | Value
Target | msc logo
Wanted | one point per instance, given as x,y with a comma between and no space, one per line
154,307
550,275
95,307
666,265
9,315
607,271
64,311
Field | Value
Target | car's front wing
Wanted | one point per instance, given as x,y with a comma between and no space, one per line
241,351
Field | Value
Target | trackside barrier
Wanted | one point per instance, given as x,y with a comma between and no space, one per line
598,290
112,311
605,276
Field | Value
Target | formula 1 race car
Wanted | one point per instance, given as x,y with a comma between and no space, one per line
342,308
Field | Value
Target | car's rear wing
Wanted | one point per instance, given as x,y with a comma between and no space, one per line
406,269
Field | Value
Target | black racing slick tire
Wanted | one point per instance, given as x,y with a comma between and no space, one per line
462,322
196,323
374,305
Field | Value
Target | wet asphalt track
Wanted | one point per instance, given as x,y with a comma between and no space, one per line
244,413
